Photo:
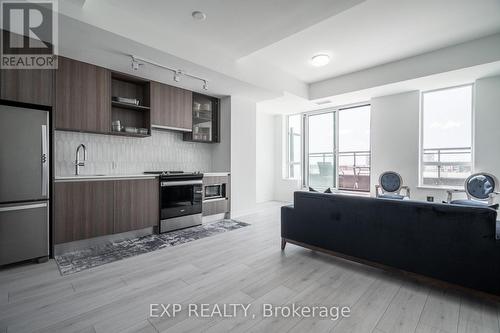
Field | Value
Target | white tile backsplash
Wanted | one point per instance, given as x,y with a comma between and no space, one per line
108,154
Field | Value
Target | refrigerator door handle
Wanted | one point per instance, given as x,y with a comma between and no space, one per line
22,207
45,162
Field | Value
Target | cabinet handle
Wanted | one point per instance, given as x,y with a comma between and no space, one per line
22,207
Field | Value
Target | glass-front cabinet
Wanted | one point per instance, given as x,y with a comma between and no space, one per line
205,119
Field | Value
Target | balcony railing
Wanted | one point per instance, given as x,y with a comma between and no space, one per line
353,170
446,166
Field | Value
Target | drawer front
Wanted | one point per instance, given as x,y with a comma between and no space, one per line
23,232
216,206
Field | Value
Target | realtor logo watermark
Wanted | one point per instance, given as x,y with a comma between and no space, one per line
29,34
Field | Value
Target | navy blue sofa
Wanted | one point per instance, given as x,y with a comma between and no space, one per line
451,243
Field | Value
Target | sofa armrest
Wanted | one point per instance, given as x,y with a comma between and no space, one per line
497,230
286,213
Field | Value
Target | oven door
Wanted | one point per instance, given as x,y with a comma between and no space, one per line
180,198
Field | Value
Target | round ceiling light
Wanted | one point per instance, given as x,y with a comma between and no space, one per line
199,16
321,59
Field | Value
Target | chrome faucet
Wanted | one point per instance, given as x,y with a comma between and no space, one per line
79,163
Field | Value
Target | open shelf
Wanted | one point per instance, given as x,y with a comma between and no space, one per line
130,115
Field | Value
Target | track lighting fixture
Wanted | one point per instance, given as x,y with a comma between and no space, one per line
135,64
178,73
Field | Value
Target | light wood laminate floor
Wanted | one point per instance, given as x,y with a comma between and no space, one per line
241,266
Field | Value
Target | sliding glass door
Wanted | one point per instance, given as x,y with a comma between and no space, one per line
337,149
354,148
320,150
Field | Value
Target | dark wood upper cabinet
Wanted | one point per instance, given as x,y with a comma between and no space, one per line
206,119
83,97
82,210
136,204
35,86
171,107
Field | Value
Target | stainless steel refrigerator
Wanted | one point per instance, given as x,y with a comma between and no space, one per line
24,184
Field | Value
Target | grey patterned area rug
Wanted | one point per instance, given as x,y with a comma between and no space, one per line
77,261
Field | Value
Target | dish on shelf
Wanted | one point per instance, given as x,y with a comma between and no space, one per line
132,101
116,126
131,130
143,131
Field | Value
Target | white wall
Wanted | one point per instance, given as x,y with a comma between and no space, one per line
243,155
264,156
221,152
487,119
395,135
395,141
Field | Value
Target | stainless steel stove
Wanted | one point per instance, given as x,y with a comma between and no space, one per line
180,199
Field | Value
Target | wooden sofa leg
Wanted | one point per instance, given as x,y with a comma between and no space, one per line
283,244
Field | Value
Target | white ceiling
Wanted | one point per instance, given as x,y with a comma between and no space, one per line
268,43
234,27
381,31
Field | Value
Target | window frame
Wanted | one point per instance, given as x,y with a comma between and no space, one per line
288,163
421,136
305,139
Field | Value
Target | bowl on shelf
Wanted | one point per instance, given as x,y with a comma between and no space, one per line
132,130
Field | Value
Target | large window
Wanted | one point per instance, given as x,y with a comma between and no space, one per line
294,141
337,149
446,152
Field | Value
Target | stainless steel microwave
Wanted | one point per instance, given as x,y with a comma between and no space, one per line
215,191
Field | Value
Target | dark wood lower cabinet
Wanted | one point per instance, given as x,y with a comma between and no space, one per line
83,210
87,209
135,204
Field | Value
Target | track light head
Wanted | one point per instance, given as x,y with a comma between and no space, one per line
177,75
205,85
135,64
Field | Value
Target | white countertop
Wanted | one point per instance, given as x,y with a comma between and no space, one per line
216,174
101,177
123,176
